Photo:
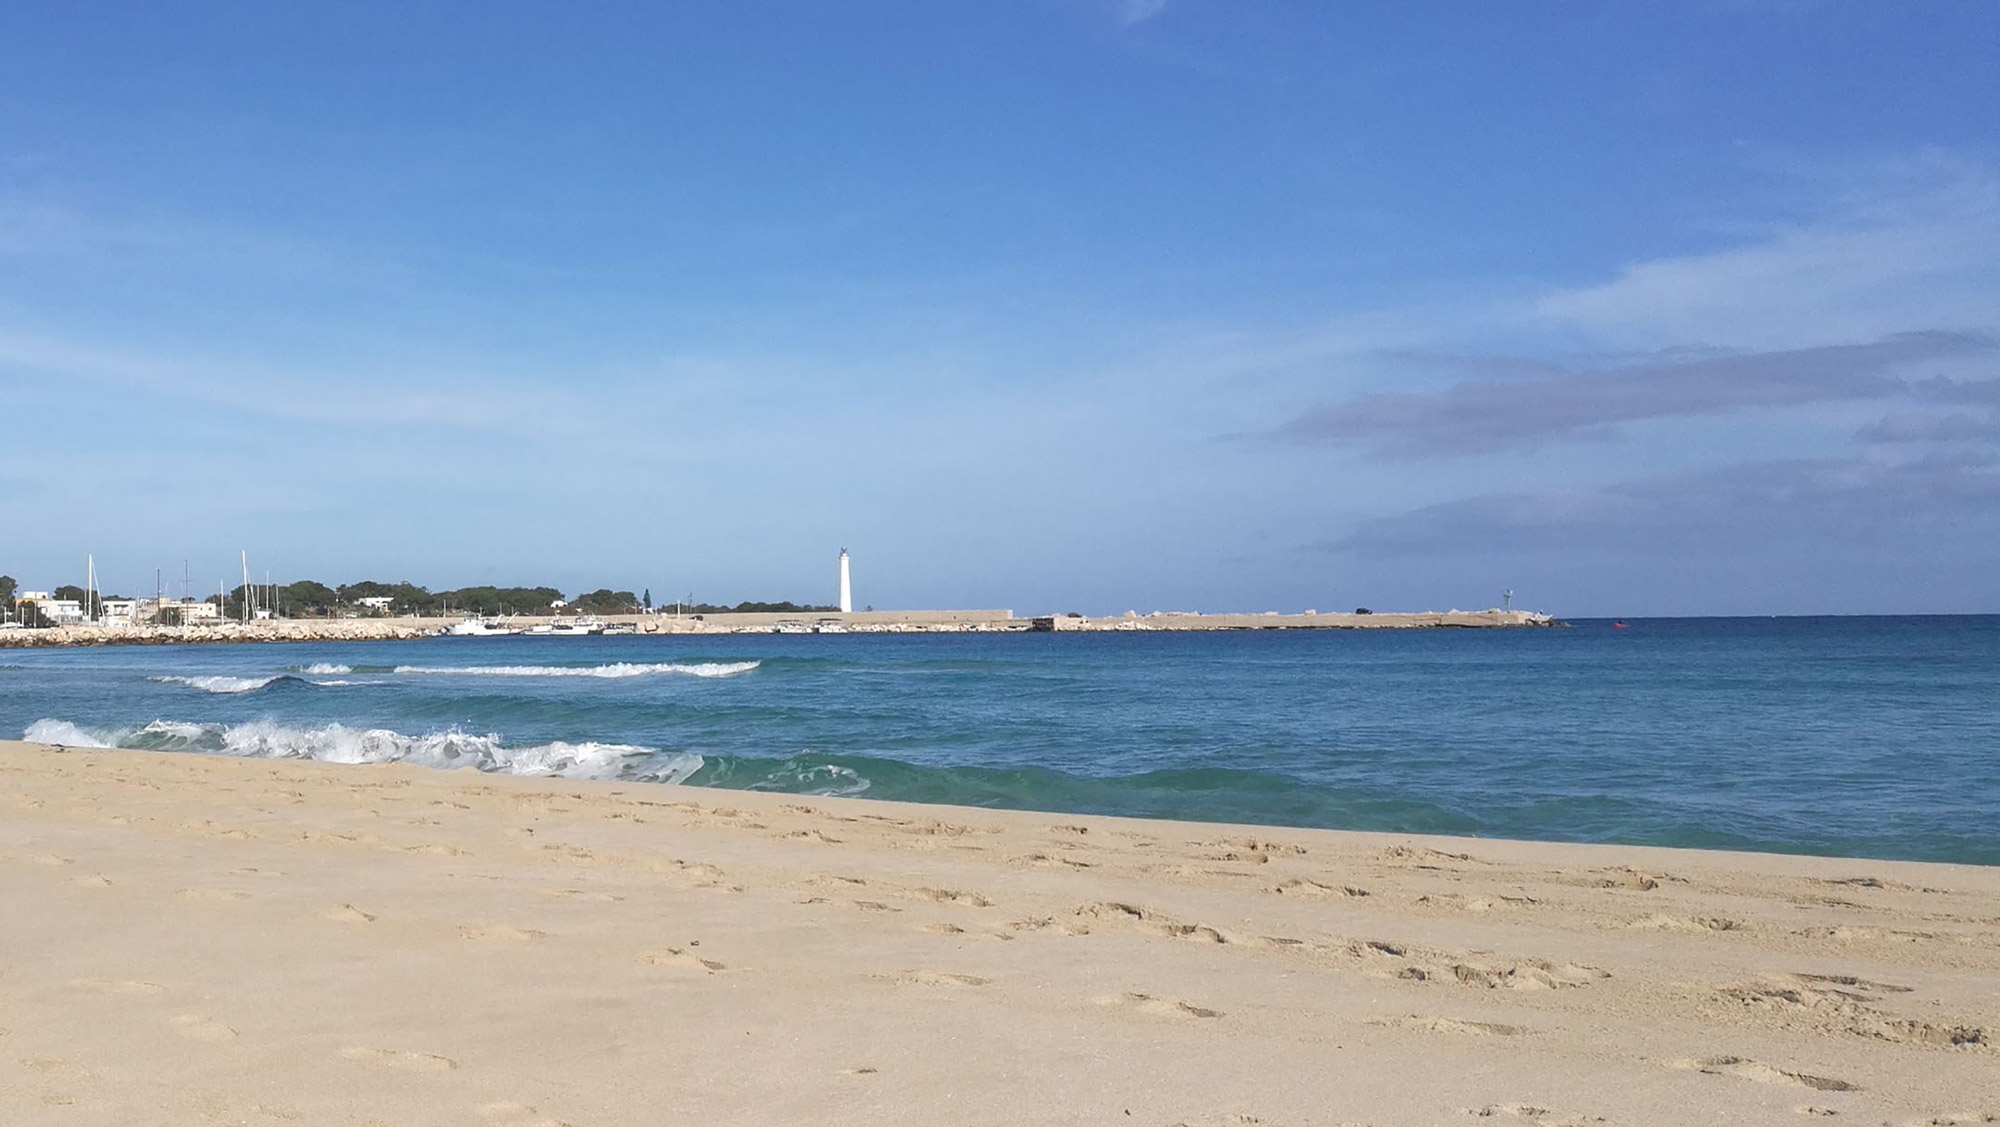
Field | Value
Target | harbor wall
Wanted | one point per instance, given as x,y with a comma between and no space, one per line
858,622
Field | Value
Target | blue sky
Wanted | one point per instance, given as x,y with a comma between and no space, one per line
1044,304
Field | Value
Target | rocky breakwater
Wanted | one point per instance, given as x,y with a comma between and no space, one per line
1310,620
279,630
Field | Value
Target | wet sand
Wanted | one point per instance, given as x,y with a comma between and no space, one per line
197,940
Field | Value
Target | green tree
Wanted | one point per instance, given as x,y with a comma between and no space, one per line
499,600
646,600
79,596
8,586
406,597
606,601
307,597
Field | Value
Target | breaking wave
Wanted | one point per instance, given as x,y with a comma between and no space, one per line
62,733
219,684
614,671
325,669
337,743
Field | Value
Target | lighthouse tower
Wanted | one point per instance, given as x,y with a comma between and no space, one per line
846,586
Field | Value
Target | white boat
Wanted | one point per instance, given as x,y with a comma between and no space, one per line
476,626
569,627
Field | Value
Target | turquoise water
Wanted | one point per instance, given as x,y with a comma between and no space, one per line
1853,736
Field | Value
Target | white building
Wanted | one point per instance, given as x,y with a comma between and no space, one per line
375,602
118,612
62,612
169,612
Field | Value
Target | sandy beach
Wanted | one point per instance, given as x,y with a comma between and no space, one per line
201,940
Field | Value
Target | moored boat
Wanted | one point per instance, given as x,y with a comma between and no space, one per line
479,626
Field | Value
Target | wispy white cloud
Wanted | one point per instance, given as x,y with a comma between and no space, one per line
1918,245
1486,414
1744,506
376,398
1139,11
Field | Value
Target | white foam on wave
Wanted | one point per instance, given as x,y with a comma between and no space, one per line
337,743
166,734
220,684
326,669
66,734
829,779
619,670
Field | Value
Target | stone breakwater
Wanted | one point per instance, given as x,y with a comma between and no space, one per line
1272,620
858,622
282,630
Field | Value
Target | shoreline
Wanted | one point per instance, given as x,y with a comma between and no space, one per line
1538,850
274,940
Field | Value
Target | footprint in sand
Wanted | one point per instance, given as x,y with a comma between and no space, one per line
50,1066
1531,974
1049,861
434,850
509,1113
404,1061
1050,923
1663,922
931,978
581,894
1453,1025
1745,1069
346,914
680,957
212,895
195,1027
1538,1115
122,986
95,880
515,934
1159,1007
1306,888
953,896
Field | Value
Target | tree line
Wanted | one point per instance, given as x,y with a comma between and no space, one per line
309,598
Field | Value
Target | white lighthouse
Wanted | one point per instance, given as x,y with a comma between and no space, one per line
846,586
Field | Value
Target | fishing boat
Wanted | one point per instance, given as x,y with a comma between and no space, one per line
571,627
479,626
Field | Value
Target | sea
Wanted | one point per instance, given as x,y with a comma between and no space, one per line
1869,737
